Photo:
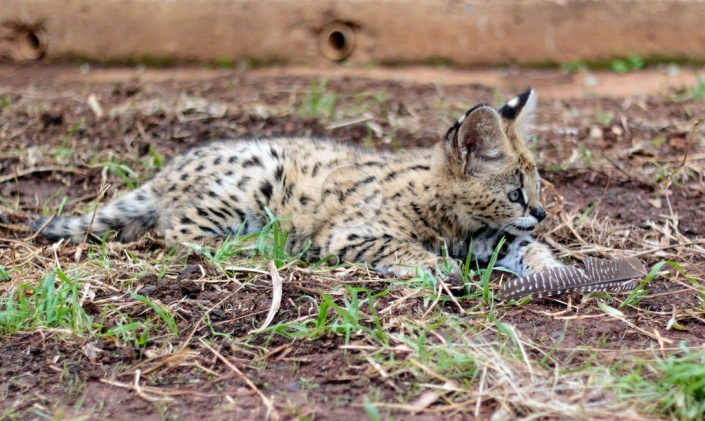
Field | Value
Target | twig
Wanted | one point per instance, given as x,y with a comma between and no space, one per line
271,411
655,336
695,157
169,360
157,391
672,246
104,188
617,167
82,246
44,225
246,270
349,121
383,373
480,392
141,394
669,178
435,302
18,174
560,212
452,297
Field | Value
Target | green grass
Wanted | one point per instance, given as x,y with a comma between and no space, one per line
154,162
64,151
128,175
56,303
347,318
270,243
631,63
603,117
5,101
671,387
46,208
622,64
688,94
165,315
4,274
326,106
129,332
573,67
587,155
317,102
697,91
586,213
53,303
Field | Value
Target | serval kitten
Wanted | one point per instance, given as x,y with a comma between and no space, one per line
391,211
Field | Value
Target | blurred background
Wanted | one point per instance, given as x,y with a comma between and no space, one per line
467,33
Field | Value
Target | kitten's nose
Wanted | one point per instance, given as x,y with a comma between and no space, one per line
538,213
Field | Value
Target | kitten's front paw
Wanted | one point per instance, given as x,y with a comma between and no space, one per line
538,257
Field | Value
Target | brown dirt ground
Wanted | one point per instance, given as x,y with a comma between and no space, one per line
632,142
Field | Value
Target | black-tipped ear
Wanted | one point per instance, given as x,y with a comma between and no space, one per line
520,112
478,139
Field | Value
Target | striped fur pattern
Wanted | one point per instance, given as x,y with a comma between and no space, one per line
391,211
597,275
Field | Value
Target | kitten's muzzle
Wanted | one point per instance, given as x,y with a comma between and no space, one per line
538,212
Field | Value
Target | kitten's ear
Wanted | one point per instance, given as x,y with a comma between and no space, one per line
477,138
521,112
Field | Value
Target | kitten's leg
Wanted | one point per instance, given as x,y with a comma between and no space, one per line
200,224
525,255
178,230
391,256
176,238
538,257
522,255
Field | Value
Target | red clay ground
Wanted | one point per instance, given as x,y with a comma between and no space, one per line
606,157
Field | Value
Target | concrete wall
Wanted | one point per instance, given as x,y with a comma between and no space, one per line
312,32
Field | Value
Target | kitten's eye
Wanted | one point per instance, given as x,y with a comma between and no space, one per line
514,195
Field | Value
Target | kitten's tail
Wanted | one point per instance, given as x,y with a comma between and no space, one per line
129,216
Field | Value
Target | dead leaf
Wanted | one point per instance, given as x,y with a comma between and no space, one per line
673,322
425,400
95,106
91,351
276,297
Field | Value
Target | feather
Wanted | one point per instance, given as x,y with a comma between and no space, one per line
596,275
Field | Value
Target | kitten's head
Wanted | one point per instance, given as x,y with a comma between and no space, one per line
489,161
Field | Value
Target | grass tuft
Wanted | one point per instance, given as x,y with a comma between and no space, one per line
53,303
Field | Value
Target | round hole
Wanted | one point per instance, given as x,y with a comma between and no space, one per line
336,41
32,41
30,46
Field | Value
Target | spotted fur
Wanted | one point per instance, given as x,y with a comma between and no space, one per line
391,211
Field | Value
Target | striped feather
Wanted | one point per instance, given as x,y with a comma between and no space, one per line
596,275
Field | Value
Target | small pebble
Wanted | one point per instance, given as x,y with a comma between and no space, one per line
591,80
556,334
673,70
595,132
